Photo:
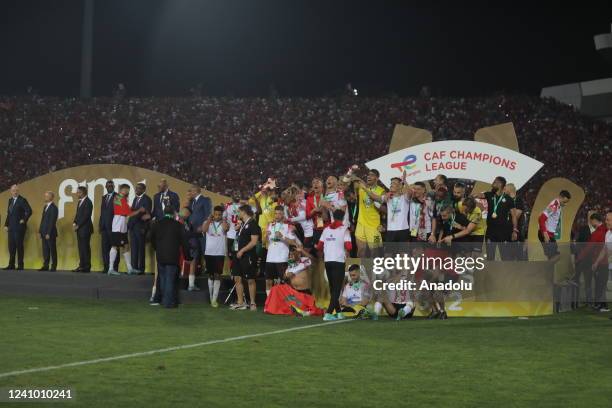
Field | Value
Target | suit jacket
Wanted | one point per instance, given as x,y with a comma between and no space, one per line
167,236
83,217
107,212
48,221
136,221
17,211
200,210
158,210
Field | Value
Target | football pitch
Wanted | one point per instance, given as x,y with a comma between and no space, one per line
127,353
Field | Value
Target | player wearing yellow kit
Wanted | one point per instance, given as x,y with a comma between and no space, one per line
367,231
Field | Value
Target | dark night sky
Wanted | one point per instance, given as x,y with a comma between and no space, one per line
305,48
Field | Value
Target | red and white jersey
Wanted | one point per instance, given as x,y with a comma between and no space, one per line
398,206
230,215
551,217
121,210
295,213
278,251
421,215
338,202
334,239
400,297
216,241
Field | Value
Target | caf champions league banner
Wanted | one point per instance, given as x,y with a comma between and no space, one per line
64,184
460,159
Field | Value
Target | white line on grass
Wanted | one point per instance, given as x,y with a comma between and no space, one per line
164,350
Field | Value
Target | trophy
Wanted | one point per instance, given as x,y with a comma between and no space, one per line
348,177
270,184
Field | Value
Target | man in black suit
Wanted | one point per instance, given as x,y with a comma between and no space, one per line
138,225
167,236
105,224
48,232
201,208
84,228
19,211
163,198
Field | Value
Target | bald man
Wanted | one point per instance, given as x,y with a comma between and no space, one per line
18,213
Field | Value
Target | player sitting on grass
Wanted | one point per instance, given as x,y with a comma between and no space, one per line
356,295
397,303
295,296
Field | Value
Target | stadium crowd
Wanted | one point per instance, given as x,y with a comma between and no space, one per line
230,144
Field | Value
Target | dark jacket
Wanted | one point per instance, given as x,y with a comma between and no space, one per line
200,210
107,212
17,211
172,199
167,236
83,217
48,221
136,221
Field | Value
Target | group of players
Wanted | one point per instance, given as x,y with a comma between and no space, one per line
278,234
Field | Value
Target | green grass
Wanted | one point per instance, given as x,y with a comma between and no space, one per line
559,361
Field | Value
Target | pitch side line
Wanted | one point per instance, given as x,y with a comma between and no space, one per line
165,350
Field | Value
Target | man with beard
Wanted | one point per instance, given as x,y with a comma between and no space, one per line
398,207
499,222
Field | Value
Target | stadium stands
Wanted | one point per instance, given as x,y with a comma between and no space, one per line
233,144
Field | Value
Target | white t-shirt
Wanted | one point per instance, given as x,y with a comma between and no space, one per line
609,246
278,251
230,215
333,243
355,293
215,239
338,203
398,207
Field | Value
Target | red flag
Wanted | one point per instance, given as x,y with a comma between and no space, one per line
282,297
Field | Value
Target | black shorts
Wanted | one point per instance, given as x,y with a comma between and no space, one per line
230,248
245,267
119,239
275,270
214,264
476,242
550,248
397,236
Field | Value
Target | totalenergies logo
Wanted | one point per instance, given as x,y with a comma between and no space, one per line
405,165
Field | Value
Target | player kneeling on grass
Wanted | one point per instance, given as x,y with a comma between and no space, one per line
215,229
295,296
356,295
397,303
